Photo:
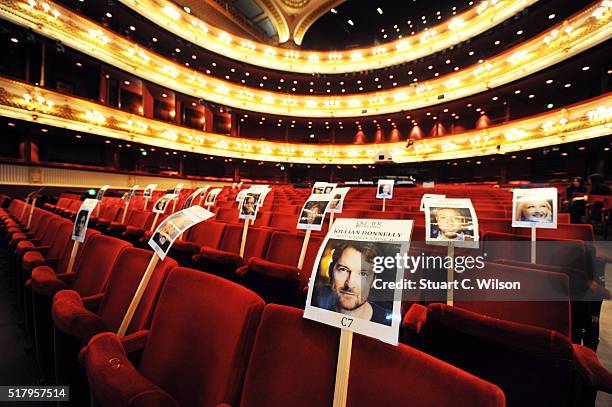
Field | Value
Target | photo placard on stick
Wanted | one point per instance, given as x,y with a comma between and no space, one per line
101,192
249,205
337,202
322,188
148,191
534,208
194,195
384,190
354,287
178,188
130,194
212,196
451,220
175,224
429,196
313,212
79,229
162,203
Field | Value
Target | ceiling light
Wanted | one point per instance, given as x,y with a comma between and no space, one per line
551,16
379,10
132,28
334,11
586,68
550,106
497,42
519,32
154,39
15,40
548,82
177,49
350,22
531,96
567,85
109,15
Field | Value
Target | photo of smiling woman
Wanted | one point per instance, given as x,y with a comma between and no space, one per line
345,280
535,208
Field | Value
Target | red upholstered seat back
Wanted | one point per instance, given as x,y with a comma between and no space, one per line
207,233
381,374
536,286
227,215
495,225
122,283
263,218
95,264
283,221
140,219
61,238
63,263
201,337
532,365
285,247
564,231
42,226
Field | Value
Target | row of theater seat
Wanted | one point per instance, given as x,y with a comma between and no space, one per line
244,351
280,278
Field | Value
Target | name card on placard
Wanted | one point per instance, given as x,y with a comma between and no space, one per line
178,188
198,192
101,192
313,212
130,194
534,208
337,202
148,191
384,190
162,203
451,221
212,196
249,205
322,188
175,224
357,280
79,229
429,196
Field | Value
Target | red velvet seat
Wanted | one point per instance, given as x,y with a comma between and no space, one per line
196,352
276,277
226,259
89,278
533,366
77,319
287,222
227,215
205,234
380,375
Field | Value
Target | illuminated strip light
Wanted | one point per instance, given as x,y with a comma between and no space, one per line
582,121
475,20
535,54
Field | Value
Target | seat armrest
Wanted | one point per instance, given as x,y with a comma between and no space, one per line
415,319
91,302
66,277
270,269
135,341
46,282
71,317
114,380
219,256
591,369
117,227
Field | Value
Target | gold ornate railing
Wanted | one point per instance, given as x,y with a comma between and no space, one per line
582,121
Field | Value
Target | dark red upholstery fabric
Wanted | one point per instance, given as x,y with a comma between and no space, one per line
95,264
72,318
32,259
45,282
592,369
114,380
270,269
201,338
207,233
381,374
123,281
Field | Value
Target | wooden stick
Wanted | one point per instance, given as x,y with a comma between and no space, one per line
384,201
343,368
533,245
124,213
31,213
450,274
146,203
154,222
138,295
174,204
27,201
304,248
73,254
331,219
245,231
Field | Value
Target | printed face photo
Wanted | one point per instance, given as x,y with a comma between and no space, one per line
165,235
335,202
328,189
318,190
534,210
313,213
345,277
249,205
451,224
384,189
161,204
80,224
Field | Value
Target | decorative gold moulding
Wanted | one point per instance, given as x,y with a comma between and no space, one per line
582,121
